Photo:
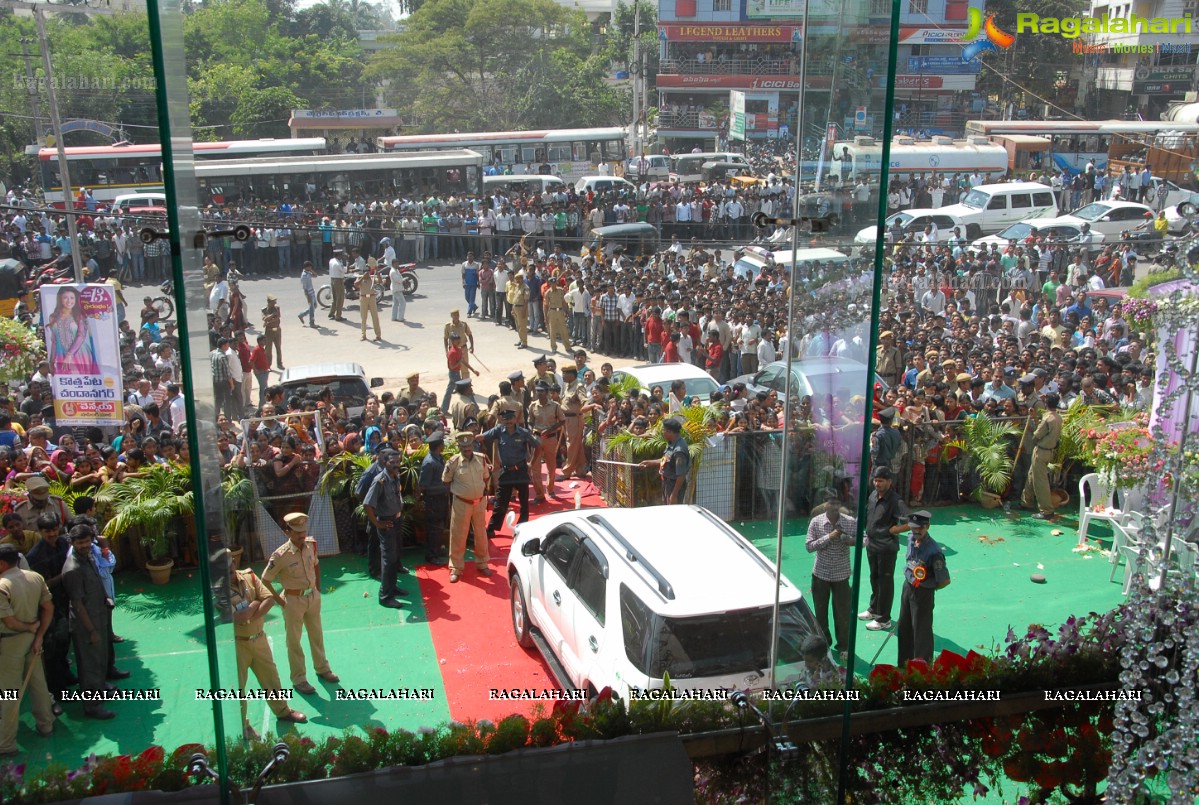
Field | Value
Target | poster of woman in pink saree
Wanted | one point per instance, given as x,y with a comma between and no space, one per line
68,338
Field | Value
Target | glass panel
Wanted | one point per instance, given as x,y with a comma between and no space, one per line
222,594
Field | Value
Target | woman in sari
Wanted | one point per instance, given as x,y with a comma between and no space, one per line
69,340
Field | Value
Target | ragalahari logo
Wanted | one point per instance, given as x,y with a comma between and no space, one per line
993,36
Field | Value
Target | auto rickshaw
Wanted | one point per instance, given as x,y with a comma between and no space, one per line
12,288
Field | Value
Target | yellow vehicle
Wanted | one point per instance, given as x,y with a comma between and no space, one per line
12,288
637,239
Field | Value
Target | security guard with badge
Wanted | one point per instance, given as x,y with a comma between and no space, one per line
26,611
1045,440
546,420
557,311
464,406
518,301
574,406
295,564
923,574
251,600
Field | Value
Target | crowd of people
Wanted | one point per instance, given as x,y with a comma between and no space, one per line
1015,331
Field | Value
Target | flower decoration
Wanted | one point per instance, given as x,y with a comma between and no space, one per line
21,348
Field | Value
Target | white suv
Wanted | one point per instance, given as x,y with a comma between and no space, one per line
621,598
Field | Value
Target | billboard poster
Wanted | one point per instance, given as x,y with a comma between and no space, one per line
736,115
83,346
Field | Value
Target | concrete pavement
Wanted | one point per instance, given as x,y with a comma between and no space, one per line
412,345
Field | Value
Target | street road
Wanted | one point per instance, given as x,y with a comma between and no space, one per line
412,345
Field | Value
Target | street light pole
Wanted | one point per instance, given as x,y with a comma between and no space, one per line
56,124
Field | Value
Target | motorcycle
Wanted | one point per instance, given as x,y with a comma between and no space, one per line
165,304
324,294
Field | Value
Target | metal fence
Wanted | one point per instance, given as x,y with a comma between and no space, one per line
737,477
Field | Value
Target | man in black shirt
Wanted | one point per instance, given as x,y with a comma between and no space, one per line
886,519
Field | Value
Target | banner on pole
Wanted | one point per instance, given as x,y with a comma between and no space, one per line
83,347
736,115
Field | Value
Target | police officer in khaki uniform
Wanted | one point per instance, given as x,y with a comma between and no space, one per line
518,300
413,394
546,420
25,614
368,303
889,362
557,311
295,564
456,325
574,406
541,366
251,600
1044,444
464,406
467,474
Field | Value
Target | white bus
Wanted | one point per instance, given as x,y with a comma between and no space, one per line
568,154
365,177
909,157
108,171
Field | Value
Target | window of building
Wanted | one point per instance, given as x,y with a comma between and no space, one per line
917,6
880,8
722,5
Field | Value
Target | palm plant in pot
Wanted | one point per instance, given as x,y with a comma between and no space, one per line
237,494
985,443
152,503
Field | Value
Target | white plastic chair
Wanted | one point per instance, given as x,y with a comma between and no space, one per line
1094,491
1122,538
1186,555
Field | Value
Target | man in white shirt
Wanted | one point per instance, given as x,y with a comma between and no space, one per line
766,352
748,335
933,300
337,276
236,373
218,300
501,276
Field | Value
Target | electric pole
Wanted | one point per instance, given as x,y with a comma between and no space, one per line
635,136
35,100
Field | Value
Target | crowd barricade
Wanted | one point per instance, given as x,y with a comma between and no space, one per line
933,469
738,475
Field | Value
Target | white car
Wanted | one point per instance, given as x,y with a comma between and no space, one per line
621,598
347,381
1036,228
1109,217
913,221
1177,215
699,383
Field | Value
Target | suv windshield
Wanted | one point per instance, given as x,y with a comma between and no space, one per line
350,391
710,645
976,199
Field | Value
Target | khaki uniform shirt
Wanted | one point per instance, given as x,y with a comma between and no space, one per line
518,293
294,567
22,593
889,362
508,402
462,409
410,396
555,300
545,415
461,328
366,286
248,588
1048,432
467,479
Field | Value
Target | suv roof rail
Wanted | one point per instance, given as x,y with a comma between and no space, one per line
739,540
633,555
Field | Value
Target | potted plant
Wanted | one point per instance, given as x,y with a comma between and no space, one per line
238,494
151,502
985,443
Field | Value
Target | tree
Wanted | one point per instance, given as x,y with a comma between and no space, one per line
1033,62
494,64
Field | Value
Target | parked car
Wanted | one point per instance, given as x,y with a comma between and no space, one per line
913,222
991,207
815,377
347,380
1109,217
622,598
648,168
602,184
1178,215
636,239
700,384
1036,228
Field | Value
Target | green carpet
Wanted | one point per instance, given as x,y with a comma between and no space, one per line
990,557
368,647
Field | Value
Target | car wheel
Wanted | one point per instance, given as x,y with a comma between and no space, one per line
520,614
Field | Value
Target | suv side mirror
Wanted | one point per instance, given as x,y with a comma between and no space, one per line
376,382
531,548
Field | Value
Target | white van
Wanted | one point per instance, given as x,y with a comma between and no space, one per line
125,203
602,184
523,184
690,167
988,208
650,167
810,261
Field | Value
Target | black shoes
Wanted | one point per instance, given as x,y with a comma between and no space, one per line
390,603
117,673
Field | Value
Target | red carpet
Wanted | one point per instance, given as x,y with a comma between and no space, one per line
471,625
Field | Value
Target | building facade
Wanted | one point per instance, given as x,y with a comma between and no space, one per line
709,47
